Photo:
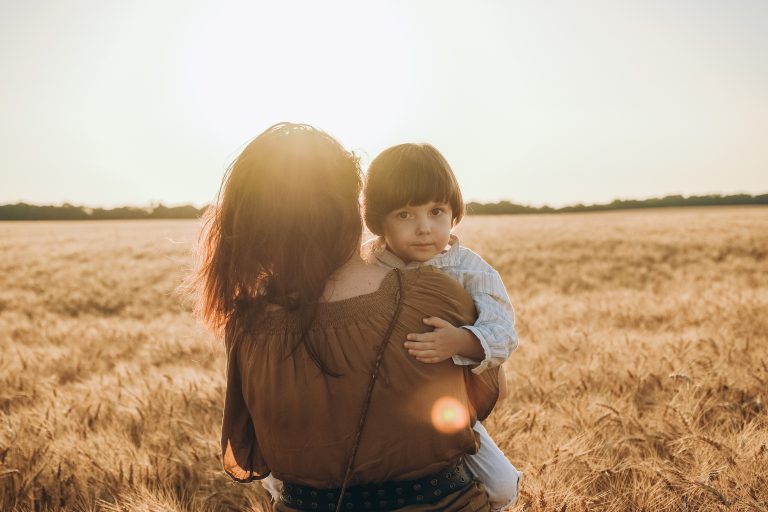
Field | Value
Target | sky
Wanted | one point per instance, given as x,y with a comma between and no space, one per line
109,103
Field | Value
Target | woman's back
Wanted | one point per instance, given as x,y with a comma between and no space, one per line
284,415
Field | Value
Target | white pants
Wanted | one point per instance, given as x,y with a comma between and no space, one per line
273,485
490,466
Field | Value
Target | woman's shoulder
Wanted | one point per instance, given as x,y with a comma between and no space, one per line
430,279
347,308
430,288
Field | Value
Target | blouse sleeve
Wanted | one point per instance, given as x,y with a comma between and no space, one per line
241,456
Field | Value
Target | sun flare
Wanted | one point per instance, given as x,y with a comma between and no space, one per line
449,415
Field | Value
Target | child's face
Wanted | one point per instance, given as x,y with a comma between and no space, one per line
417,233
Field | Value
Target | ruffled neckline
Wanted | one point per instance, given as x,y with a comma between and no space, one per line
337,312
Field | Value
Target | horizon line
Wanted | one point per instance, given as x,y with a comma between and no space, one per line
156,204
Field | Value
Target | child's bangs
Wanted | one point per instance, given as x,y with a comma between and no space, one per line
420,186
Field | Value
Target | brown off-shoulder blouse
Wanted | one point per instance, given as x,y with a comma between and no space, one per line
283,415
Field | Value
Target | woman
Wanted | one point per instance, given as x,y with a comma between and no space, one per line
320,390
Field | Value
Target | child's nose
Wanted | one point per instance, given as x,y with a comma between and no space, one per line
423,226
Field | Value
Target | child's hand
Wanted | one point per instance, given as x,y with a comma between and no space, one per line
443,343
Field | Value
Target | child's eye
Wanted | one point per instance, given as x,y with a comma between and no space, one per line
402,215
437,211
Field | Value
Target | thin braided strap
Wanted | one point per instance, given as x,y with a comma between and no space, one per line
371,383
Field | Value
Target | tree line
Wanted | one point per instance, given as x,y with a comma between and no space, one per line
506,207
24,211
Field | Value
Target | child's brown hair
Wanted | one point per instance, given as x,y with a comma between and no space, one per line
409,174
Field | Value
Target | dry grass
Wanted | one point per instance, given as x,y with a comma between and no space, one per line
639,383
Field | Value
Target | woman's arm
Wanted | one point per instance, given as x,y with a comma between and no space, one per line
240,452
436,294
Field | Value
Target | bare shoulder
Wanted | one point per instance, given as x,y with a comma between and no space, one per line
354,279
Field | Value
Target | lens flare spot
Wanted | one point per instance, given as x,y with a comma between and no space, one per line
449,415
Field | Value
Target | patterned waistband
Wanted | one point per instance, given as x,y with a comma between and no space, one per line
390,495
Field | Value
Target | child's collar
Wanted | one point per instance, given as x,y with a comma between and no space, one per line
378,249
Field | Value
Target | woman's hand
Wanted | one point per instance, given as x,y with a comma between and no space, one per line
443,343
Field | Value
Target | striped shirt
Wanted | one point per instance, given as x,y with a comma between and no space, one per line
495,325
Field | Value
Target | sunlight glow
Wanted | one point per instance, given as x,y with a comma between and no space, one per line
449,415
150,101
247,68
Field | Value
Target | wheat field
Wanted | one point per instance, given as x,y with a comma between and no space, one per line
639,384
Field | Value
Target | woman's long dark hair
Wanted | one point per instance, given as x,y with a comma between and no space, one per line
286,218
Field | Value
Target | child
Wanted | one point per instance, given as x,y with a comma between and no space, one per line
412,202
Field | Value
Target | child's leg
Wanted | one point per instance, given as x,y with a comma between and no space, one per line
490,466
273,485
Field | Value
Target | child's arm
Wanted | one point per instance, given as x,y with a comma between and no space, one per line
495,324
